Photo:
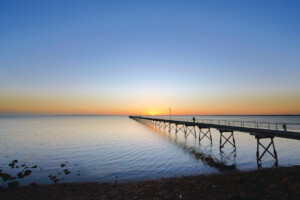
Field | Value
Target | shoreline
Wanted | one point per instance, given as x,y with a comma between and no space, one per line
280,183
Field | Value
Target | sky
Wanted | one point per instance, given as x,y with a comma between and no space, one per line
143,57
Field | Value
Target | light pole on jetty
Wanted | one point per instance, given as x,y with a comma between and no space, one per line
170,113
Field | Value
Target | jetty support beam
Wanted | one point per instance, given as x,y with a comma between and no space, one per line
265,150
227,138
206,134
190,130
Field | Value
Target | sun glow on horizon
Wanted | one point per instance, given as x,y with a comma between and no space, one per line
153,112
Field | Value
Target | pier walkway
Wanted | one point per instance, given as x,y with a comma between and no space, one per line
260,129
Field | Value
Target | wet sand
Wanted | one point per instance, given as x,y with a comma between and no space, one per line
281,183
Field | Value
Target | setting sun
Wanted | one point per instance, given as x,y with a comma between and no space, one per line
153,112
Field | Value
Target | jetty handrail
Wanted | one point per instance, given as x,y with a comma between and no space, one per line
238,123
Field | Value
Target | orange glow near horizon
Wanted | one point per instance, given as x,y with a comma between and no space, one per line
153,112
227,105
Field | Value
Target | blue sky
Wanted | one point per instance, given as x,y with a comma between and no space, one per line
175,51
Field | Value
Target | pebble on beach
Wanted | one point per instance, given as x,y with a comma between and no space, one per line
20,175
27,172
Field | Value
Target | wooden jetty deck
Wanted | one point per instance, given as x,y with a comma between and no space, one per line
240,126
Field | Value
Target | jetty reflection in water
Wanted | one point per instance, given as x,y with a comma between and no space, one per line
204,152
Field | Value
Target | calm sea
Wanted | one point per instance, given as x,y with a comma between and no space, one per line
116,148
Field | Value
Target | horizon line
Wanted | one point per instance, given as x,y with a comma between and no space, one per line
59,114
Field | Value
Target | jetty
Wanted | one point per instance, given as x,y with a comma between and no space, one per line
201,129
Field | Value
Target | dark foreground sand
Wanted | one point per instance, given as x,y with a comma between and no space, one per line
282,183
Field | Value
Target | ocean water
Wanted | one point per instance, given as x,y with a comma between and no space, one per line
117,148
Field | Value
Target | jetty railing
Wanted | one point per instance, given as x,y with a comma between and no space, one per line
280,126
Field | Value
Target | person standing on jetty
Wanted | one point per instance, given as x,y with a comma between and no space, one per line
284,127
194,119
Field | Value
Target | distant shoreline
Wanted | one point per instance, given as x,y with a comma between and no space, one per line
281,183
